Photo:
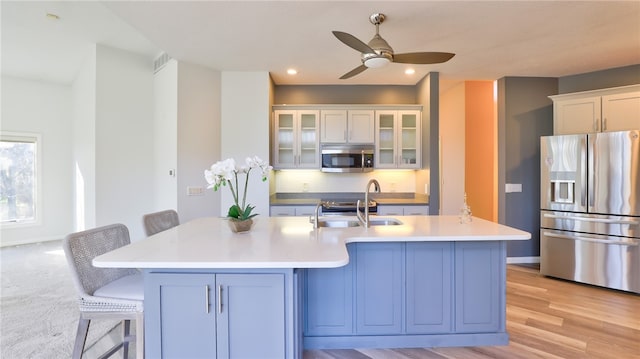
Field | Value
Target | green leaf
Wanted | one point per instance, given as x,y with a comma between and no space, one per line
235,212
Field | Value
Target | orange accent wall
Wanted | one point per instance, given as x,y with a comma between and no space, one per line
480,149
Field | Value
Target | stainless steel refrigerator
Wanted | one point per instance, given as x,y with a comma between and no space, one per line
590,208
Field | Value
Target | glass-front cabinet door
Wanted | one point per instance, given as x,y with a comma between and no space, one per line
386,139
409,139
296,139
398,136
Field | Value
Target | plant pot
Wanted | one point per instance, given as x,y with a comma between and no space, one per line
240,226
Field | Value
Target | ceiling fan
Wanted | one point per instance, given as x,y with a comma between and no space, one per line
378,53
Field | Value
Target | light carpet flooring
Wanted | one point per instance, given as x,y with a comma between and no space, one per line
38,308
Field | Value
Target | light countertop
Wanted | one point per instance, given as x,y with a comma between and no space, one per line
288,242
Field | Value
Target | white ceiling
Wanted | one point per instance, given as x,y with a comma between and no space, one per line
491,39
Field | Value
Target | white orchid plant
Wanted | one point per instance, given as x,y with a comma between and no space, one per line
223,173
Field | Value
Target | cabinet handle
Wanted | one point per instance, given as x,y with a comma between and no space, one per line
219,299
595,124
604,124
206,299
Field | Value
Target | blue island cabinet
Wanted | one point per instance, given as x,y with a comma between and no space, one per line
379,278
409,294
219,315
328,298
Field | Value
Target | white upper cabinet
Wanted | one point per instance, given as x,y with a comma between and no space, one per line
615,109
621,112
347,126
398,135
295,143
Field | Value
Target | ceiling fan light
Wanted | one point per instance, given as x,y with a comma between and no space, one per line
376,62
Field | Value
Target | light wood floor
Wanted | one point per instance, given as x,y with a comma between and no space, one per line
546,318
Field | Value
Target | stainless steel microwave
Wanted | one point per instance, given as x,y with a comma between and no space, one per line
347,158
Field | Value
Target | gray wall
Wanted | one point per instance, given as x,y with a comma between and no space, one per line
620,76
524,114
344,94
429,97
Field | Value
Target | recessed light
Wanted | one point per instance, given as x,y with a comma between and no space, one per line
409,71
292,71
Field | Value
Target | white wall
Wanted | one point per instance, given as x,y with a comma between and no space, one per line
198,136
45,109
165,140
124,138
83,165
452,116
245,118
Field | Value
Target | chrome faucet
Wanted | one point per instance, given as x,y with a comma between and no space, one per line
365,219
316,220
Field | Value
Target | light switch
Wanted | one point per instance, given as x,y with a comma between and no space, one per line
195,191
513,187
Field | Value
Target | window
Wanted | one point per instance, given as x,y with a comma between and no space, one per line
18,178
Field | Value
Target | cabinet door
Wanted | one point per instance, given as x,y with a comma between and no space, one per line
329,299
361,126
480,293
379,294
281,211
284,139
333,126
416,210
621,112
250,316
386,139
308,143
390,210
409,137
306,210
429,289
180,315
576,116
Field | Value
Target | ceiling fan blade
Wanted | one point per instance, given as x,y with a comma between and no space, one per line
353,72
353,42
423,57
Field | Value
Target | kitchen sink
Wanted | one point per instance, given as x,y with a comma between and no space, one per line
338,223
384,222
347,222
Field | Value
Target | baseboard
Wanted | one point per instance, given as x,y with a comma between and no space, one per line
522,260
4,243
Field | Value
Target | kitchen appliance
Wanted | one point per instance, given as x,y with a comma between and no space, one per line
378,52
345,207
590,208
347,158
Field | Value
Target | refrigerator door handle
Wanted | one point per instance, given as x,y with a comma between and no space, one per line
632,242
598,220
590,165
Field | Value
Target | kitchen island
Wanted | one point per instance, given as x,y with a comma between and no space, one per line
428,281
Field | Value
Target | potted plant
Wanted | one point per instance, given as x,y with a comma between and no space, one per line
225,173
